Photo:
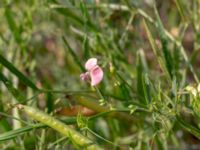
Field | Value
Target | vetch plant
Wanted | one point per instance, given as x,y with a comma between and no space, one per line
150,99
46,119
94,72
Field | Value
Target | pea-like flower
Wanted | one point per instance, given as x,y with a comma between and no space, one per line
94,72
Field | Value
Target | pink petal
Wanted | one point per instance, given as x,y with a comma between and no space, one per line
84,76
96,75
91,63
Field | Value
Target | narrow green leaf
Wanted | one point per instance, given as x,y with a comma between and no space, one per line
143,85
4,124
76,59
124,87
161,145
176,58
164,41
76,18
85,12
139,78
146,87
86,47
15,133
155,49
16,72
187,126
181,9
12,24
172,39
18,96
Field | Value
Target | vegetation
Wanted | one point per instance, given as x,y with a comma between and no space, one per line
148,51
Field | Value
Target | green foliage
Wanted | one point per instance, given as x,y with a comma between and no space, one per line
148,98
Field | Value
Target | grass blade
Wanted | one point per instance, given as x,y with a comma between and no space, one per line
77,19
155,49
166,53
74,55
193,130
142,85
15,133
12,24
16,72
19,97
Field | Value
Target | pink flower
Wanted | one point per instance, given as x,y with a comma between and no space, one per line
94,72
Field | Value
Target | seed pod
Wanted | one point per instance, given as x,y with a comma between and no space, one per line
60,127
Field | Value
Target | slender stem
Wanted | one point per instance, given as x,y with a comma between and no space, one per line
60,127
64,91
15,118
99,93
57,141
101,109
42,140
102,138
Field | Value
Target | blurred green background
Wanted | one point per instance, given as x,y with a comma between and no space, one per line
149,52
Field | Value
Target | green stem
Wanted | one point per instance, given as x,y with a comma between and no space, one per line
101,109
60,127
99,93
